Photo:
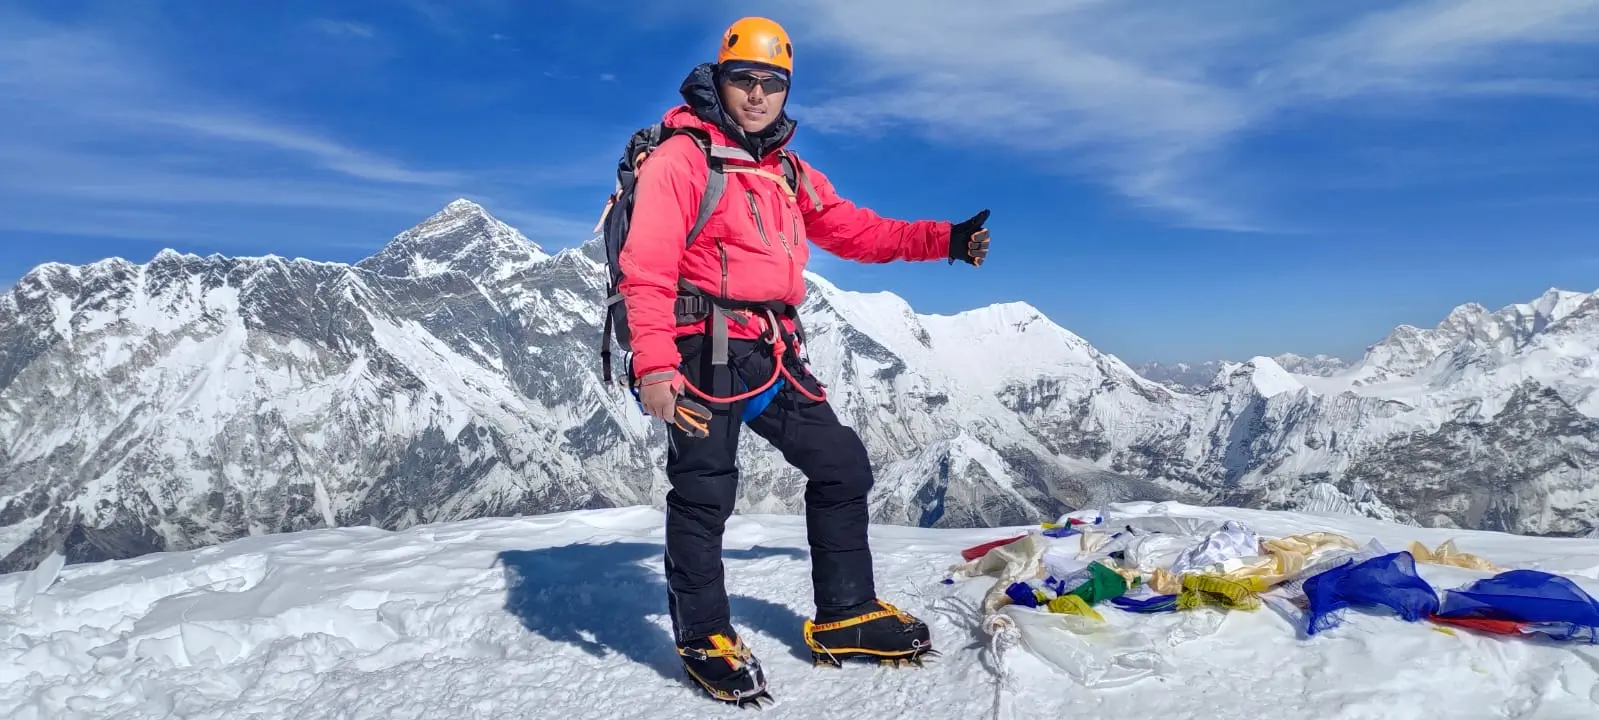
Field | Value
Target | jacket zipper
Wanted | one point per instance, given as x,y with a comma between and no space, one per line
794,227
795,223
756,211
760,227
722,247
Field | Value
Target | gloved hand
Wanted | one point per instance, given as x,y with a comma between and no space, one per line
968,240
661,395
692,418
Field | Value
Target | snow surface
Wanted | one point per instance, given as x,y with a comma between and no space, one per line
1271,379
562,616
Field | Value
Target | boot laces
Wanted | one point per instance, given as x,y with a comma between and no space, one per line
909,622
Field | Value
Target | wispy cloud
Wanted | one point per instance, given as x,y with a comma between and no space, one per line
452,17
1149,100
343,28
89,119
322,151
1449,46
97,140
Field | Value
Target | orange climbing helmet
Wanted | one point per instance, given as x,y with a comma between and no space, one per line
757,40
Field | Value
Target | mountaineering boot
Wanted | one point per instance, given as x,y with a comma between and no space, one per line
888,635
724,667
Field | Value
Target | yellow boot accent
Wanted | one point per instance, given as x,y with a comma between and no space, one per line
737,655
832,656
734,653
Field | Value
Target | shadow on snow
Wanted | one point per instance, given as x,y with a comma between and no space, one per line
607,592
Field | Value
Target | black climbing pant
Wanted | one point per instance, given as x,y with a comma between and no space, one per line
704,476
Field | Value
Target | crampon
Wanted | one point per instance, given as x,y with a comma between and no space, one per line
888,636
726,670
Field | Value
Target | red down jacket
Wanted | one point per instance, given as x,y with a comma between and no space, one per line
753,247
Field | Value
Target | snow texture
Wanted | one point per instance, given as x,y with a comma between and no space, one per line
563,616
455,375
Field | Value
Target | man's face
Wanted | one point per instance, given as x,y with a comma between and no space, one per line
754,98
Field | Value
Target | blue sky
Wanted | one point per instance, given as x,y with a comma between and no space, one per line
1173,181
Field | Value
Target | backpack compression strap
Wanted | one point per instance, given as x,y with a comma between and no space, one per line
792,172
715,184
793,179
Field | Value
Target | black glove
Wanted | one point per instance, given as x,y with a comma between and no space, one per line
968,241
692,418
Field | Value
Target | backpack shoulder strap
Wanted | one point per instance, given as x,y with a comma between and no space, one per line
715,182
797,178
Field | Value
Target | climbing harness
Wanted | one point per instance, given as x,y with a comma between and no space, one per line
695,306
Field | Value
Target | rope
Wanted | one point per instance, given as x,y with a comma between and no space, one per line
1003,636
779,349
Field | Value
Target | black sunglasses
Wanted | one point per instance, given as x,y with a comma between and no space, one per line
746,81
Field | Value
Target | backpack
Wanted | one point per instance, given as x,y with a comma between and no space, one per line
615,218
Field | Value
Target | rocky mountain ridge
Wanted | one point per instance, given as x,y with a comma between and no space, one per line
454,374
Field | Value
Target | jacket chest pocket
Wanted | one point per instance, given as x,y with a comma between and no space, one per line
761,218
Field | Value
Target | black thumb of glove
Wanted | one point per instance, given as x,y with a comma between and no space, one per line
968,240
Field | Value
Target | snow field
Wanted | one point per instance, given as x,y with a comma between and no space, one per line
563,616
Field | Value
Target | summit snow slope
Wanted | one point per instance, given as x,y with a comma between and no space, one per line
563,616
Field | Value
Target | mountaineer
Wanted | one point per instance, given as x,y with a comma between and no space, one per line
708,237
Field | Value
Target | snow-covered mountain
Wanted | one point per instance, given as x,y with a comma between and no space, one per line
1318,365
455,374
1179,375
1190,376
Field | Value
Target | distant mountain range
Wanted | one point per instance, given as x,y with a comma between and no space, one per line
1189,376
454,374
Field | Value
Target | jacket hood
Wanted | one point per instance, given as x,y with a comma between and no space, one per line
703,100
